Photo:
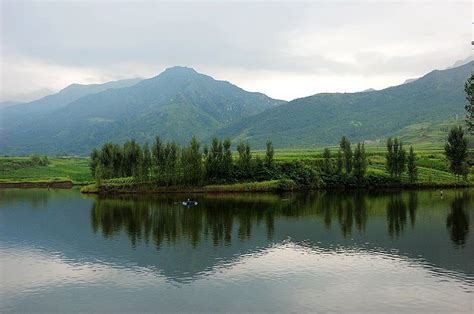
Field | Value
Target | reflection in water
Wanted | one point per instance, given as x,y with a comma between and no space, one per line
396,215
292,252
457,220
161,220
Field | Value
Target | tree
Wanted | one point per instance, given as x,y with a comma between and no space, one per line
244,161
389,157
400,158
411,165
94,161
360,162
227,161
345,146
339,163
158,158
146,163
456,151
268,161
191,160
395,158
469,89
171,153
213,161
327,164
132,156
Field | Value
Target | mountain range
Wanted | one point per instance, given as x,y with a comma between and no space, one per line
181,102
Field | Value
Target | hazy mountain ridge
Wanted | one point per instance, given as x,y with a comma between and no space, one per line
322,119
175,104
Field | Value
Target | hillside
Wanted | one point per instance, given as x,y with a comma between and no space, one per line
25,113
323,118
175,104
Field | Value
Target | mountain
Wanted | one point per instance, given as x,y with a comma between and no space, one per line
8,103
322,119
68,95
26,97
175,104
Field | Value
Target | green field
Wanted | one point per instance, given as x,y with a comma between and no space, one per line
431,162
20,169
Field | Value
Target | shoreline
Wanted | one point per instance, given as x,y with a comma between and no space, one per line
273,186
269,189
40,184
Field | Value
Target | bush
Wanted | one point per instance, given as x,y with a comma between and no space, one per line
302,174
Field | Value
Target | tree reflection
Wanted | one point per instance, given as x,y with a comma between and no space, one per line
457,220
222,219
397,212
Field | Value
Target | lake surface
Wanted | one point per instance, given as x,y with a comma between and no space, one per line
382,252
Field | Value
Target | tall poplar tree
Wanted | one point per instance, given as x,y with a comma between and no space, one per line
456,151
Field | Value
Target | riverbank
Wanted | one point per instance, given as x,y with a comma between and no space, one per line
61,184
264,186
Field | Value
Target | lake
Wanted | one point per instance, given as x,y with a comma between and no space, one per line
61,251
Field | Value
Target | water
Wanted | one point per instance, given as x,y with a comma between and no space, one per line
411,251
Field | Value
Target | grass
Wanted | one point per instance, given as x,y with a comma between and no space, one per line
20,169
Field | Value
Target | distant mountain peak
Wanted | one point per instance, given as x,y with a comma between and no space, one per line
179,70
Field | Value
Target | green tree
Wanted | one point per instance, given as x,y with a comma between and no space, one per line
346,149
191,160
456,151
269,153
339,162
94,161
469,89
327,163
98,175
158,158
133,157
214,160
244,161
411,165
360,162
389,157
395,158
171,153
146,163
227,160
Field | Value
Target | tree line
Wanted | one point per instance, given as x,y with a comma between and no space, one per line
171,164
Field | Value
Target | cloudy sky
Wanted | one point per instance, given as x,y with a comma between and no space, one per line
284,49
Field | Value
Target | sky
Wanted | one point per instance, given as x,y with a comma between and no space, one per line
283,49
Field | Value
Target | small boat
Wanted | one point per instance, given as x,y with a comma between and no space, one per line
189,203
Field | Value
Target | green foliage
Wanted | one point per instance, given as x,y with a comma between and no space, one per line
327,162
146,163
270,152
395,158
411,165
456,151
191,162
360,162
469,90
244,167
39,161
345,146
301,173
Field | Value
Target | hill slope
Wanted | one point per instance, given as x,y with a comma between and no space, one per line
175,104
323,118
26,113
